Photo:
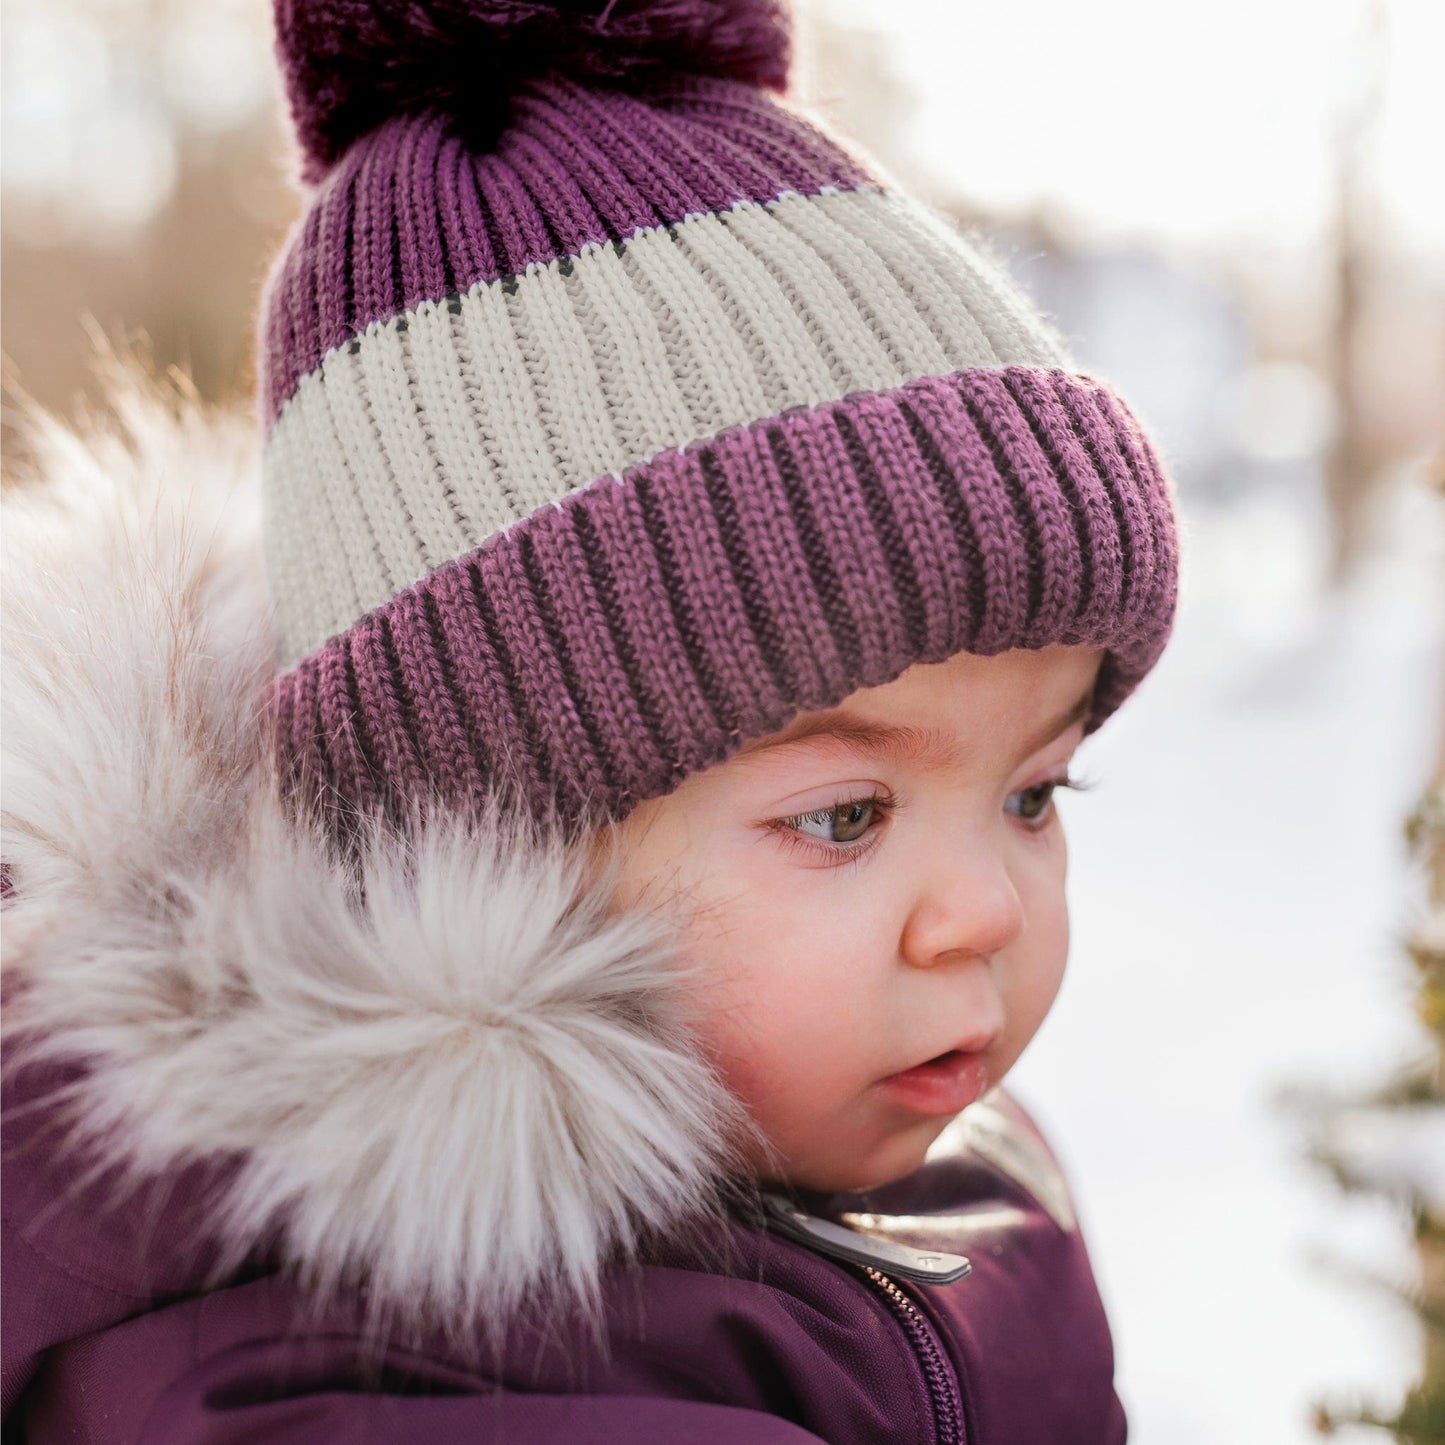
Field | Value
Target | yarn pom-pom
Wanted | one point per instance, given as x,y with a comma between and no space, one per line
350,64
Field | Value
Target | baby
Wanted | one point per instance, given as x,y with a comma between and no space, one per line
877,892
525,944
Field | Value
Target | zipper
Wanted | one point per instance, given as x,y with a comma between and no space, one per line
922,1266
864,1253
937,1372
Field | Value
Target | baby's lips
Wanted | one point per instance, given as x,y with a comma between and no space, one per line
945,1084
975,1043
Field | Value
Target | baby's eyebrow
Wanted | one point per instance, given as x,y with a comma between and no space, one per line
925,746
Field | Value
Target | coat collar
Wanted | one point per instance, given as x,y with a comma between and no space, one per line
471,1089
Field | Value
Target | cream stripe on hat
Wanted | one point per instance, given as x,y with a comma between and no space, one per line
433,430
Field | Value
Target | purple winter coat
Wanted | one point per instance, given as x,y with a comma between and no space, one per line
431,1160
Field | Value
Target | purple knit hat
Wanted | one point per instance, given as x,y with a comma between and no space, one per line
615,413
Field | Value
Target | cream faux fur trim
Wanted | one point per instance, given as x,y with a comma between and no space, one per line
471,1090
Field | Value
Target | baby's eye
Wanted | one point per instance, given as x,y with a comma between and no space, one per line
1037,811
846,832
842,823
1036,800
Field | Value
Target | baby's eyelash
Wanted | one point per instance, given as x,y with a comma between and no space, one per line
790,833
1078,784
789,830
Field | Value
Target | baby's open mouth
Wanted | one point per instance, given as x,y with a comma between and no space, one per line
939,1059
943,1084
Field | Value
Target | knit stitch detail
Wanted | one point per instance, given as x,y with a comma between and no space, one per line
594,653
413,443
410,214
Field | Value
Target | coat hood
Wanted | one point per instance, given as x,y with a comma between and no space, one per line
466,1082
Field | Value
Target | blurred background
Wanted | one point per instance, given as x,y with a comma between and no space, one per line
1229,212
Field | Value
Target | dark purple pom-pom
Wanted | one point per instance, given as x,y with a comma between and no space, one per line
350,64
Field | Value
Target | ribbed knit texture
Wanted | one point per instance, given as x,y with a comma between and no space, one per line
417,440
602,650
594,455
412,215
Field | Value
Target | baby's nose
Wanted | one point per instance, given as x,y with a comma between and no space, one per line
972,913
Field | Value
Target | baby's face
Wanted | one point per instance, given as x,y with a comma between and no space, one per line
872,887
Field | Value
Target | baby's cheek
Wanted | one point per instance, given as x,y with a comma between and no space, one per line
771,1043
803,1091
790,1015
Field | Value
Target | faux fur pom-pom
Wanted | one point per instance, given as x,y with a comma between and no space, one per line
351,64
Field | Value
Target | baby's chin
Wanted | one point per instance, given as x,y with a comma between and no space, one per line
827,1169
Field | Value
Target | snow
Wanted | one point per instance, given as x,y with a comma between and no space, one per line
1401,1150
1239,888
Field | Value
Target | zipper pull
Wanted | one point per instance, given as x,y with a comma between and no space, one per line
922,1266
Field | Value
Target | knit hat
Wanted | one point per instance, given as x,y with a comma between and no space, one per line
616,412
